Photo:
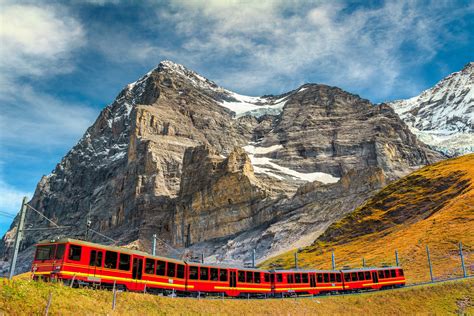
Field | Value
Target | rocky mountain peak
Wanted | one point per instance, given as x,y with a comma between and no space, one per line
202,166
442,116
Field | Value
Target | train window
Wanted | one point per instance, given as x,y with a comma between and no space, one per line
223,275
111,260
279,278
171,269
75,252
193,273
241,276
160,267
95,258
381,274
387,273
400,272
290,278
297,278
45,252
149,266
304,278
347,277
214,274
249,276
266,277
367,275
180,271
393,273
256,277
361,275
354,276
332,277
59,251
124,262
319,276
338,277
326,278
204,275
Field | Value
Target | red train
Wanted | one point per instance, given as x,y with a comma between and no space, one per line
88,263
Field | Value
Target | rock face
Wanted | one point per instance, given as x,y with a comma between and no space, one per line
442,116
209,169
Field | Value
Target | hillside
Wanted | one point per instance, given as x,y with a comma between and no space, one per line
433,206
26,297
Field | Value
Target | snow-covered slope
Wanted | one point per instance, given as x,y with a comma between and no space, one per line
442,116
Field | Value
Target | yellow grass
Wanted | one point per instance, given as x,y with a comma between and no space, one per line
23,297
433,206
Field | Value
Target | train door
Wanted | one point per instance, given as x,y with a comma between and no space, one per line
312,280
95,266
137,268
375,277
233,279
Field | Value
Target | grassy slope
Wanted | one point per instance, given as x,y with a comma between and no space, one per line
23,297
433,206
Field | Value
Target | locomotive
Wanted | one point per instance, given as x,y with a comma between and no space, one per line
85,263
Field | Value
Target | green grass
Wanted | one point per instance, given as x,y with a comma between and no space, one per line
25,297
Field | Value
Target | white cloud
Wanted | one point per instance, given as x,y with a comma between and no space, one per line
276,42
39,120
10,198
37,41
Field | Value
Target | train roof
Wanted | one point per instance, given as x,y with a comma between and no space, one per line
371,269
107,247
334,271
214,265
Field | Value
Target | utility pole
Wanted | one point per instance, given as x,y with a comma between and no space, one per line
18,238
296,260
396,258
429,263
153,250
253,258
363,262
333,261
464,274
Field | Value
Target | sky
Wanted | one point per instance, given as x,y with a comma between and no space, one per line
62,62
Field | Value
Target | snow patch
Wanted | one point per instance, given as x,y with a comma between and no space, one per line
254,106
267,166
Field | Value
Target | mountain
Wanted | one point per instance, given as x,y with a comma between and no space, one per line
433,206
442,116
211,171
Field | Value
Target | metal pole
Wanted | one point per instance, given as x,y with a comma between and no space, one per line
464,273
202,258
114,297
296,260
396,258
153,250
253,258
19,236
333,261
363,262
48,305
429,262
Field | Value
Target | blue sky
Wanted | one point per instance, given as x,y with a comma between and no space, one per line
60,64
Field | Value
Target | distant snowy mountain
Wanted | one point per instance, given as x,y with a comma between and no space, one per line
442,116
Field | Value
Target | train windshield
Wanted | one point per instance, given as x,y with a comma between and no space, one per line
45,252
49,252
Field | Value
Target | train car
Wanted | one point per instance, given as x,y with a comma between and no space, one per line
297,282
373,278
89,263
205,278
